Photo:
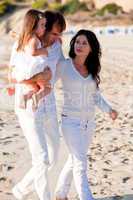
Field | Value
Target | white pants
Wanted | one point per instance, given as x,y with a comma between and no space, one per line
77,136
37,128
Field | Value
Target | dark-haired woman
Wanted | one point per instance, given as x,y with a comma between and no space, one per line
80,85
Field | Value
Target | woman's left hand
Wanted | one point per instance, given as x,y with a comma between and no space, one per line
113,114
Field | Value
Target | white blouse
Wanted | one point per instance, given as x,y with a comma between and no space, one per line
79,94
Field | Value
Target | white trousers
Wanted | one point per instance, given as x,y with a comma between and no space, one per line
42,135
77,135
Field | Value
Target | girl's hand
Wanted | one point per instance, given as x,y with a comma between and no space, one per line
113,114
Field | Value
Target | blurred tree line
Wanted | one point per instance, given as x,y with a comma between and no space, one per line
64,6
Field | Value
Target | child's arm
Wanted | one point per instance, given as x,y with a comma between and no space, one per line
104,105
34,50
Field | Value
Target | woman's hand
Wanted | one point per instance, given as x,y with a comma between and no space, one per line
113,114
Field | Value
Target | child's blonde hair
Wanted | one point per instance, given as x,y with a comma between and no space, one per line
30,23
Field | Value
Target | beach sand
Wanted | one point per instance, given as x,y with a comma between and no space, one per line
110,157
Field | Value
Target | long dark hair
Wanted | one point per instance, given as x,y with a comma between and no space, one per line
30,23
93,59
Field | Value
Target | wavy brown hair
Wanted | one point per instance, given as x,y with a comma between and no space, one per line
30,23
93,59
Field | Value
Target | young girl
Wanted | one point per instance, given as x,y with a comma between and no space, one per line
80,84
31,56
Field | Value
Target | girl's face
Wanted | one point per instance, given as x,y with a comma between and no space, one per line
81,46
41,27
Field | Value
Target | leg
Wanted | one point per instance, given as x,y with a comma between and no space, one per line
53,138
25,186
33,128
78,141
65,180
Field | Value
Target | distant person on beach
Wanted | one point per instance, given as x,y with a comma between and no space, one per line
80,81
40,126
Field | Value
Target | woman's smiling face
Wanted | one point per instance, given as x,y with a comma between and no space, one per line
82,46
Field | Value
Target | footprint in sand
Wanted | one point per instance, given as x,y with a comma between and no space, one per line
17,126
7,142
3,179
5,138
124,180
5,153
9,168
2,124
8,193
125,161
15,135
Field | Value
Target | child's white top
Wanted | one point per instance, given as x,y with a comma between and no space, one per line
79,94
26,65
23,72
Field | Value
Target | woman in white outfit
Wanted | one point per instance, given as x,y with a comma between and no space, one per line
40,127
80,87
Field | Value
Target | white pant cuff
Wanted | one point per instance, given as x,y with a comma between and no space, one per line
17,194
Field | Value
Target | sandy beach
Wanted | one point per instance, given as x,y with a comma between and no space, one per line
110,157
